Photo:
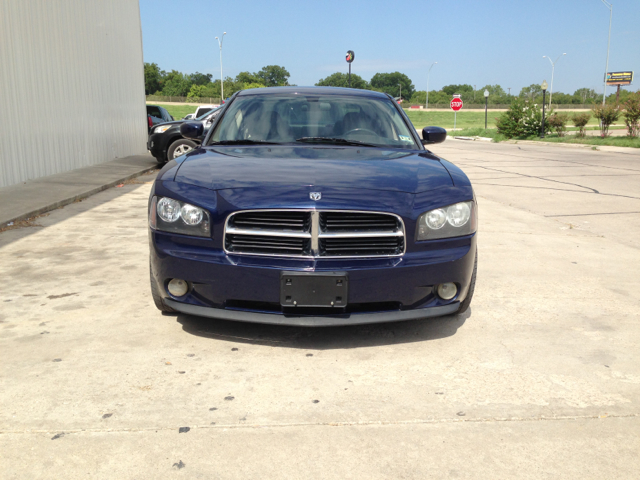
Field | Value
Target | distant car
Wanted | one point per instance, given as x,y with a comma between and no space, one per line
156,114
166,142
312,206
201,110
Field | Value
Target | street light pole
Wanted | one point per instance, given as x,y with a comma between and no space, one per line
220,40
429,73
606,69
486,104
553,66
544,94
400,92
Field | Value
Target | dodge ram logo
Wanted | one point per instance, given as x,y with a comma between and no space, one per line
315,196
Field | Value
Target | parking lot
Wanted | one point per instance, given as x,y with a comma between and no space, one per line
539,379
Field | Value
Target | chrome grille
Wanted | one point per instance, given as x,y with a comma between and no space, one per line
312,233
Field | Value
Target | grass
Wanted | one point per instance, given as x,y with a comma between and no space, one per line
465,120
421,119
608,141
554,138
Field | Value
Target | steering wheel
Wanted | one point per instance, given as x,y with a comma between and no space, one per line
375,134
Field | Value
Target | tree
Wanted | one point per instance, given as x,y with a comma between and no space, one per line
247,86
531,92
586,95
523,119
457,89
153,78
494,91
248,78
273,76
203,91
176,84
607,114
340,79
631,114
390,83
200,78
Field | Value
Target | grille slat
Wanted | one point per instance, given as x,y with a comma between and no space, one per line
298,221
334,233
345,221
362,246
263,244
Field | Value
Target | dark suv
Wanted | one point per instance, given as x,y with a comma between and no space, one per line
166,142
156,115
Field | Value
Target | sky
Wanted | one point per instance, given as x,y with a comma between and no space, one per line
477,42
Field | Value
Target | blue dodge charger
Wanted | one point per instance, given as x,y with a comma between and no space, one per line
312,206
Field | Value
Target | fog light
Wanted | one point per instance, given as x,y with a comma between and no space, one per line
447,291
177,287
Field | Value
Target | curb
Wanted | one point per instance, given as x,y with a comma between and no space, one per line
71,199
602,148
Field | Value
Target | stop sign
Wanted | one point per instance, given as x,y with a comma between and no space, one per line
456,104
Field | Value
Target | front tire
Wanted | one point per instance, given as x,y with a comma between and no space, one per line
179,148
464,306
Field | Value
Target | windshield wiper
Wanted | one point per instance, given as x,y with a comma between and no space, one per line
339,141
243,142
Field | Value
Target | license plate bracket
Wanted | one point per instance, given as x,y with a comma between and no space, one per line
311,289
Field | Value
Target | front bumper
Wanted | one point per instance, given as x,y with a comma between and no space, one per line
310,320
156,145
245,288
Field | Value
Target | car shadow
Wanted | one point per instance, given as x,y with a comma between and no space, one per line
325,338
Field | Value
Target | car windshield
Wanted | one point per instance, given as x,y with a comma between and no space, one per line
305,118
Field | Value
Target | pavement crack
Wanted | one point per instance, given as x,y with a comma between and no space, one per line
369,423
588,189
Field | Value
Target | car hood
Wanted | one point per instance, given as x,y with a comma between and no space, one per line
174,123
233,167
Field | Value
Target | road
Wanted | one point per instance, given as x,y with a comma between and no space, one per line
540,379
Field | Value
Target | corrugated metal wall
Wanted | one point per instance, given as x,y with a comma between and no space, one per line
71,85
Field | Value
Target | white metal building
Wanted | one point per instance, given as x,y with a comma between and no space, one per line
71,85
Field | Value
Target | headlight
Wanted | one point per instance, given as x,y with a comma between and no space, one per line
452,221
169,215
162,128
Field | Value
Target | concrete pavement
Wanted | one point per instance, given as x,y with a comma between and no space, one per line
540,379
27,199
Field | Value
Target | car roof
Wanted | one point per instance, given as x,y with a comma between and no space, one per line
349,92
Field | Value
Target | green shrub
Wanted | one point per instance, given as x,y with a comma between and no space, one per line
558,121
631,114
523,119
580,120
607,114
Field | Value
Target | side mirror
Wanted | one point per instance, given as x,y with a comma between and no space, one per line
191,130
433,135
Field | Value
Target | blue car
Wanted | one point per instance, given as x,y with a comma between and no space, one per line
312,206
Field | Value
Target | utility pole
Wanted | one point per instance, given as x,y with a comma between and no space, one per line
220,40
429,73
604,90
